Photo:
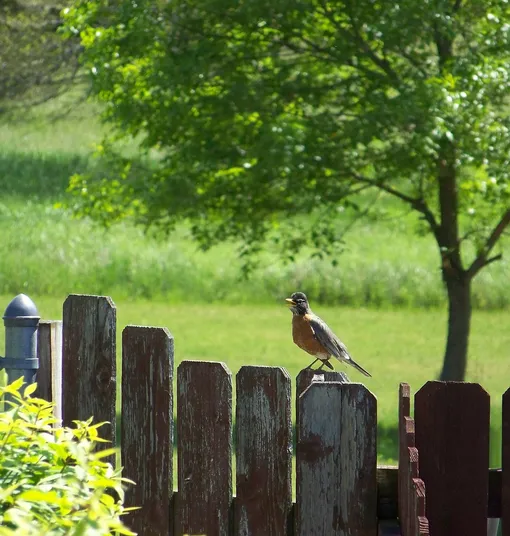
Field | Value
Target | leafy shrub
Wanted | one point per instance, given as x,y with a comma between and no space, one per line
52,479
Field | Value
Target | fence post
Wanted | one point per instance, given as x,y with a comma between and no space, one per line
21,320
49,375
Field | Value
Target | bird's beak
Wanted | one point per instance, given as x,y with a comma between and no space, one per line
290,302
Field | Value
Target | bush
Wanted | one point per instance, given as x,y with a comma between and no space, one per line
52,479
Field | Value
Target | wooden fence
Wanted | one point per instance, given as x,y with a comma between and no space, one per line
442,487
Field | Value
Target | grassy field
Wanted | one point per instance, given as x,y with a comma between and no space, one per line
47,252
384,299
395,346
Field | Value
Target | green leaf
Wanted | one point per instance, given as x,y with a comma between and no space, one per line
105,453
48,497
30,389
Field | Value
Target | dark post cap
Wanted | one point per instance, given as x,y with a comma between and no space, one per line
21,311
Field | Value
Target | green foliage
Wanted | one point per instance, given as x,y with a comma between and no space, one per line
51,479
259,110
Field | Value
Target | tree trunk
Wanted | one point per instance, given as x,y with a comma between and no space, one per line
456,279
459,316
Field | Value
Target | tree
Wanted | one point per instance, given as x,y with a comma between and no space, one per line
264,109
36,63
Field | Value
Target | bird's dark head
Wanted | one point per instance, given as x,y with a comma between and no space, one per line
298,303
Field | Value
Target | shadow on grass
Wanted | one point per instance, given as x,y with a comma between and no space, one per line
38,175
387,444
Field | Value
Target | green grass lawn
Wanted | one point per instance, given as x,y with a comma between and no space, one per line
395,346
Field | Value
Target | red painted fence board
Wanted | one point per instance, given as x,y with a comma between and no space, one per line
452,437
336,461
420,525
406,440
263,451
147,427
204,440
410,470
505,465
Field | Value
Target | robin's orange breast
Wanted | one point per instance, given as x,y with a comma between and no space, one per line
303,337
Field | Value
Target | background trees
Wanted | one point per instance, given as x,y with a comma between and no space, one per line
35,62
263,110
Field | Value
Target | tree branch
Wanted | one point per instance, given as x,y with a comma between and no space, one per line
382,63
490,260
482,260
498,230
324,55
416,203
413,62
385,188
361,214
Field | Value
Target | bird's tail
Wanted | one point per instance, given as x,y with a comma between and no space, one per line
358,367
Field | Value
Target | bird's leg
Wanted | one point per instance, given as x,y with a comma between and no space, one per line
325,362
313,363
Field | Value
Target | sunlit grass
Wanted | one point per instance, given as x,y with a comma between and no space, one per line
46,252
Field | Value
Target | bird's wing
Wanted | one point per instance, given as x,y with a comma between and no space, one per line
327,338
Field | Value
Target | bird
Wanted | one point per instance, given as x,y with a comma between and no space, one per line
314,336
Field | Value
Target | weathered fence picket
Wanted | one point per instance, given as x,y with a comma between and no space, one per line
89,363
263,451
49,374
452,437
147,427
307,376
204,448
336,460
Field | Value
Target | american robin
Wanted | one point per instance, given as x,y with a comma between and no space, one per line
314,336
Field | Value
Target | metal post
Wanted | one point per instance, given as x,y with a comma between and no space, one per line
21,320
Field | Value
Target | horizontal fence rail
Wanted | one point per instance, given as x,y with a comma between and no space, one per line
442,484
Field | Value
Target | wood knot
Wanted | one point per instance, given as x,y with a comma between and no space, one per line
103,377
